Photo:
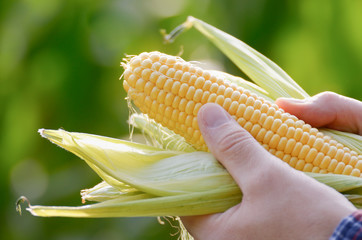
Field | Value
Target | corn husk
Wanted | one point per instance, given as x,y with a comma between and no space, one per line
167,176
146,181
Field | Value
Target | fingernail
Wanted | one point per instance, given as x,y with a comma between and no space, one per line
294,100
213,115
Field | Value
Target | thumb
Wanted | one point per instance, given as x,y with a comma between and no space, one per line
232,145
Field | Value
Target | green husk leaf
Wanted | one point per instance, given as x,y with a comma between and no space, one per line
155,171
197,203
356,199
259,68
103,191
341,183
114,160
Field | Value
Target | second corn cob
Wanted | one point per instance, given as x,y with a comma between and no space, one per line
171,91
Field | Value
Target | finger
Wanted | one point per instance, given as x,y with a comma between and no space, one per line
233,146
326,110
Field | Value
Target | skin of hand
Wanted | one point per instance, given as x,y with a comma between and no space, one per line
278,202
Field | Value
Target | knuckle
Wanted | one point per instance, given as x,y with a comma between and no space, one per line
233,142
326,97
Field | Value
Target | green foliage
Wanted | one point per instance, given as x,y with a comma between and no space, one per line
59,67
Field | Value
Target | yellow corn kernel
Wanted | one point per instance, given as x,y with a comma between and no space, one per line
282,144
293,162
332,165
347,170
340,167
308,167
311,155
300,165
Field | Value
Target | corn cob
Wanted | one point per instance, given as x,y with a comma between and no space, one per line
171,91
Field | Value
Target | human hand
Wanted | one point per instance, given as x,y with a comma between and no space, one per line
278,201
327,109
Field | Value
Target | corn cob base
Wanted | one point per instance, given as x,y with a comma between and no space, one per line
171,91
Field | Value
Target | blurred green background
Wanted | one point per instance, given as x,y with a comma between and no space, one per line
59,68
